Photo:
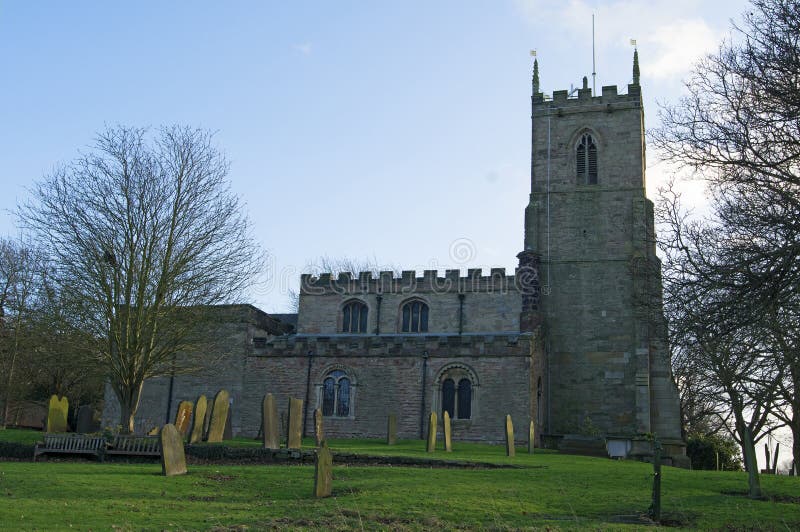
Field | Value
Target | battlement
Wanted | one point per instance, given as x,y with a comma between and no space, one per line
609,100
408,282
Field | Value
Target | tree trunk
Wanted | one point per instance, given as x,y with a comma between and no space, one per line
128,405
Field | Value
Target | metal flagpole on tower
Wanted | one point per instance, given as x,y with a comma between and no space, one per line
594,70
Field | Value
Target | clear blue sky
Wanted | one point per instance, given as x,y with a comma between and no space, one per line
394,130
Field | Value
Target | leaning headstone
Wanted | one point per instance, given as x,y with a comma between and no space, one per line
391,430
83,419
323,471
219,416
318,426
510,450
269,414
431,433
531,438
173,458
448,443
183,417
198,420
57,414
294,434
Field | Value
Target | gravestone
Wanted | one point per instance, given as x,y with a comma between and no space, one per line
219,416
57,414
183,417
510,449
173,458
318,426
431,433
391,430
84,422
269,415
323,471
448,443
294,434
531,438
201,406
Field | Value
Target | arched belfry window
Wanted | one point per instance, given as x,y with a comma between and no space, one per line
586,157
456,384
354,317
336,394
414,317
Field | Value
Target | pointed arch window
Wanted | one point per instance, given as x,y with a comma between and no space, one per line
414,317
354,317
586,157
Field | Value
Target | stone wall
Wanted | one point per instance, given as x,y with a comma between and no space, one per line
600,302
491,303
387,373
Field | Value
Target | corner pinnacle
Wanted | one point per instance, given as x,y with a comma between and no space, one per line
535,76
635,66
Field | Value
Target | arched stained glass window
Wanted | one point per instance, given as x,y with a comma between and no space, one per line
415,317
336,394
449,397
464,399
354,317
586,157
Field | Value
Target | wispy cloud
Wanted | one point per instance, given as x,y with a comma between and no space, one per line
304,48
673,33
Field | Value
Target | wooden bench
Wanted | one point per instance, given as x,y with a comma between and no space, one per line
70,444
130,445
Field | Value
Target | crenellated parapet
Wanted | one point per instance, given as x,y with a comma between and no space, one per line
609,100
386,282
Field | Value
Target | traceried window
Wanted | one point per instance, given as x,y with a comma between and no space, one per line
414,317
354,317
586,156
336,394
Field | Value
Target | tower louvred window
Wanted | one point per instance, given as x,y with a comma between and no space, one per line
354,317
586,158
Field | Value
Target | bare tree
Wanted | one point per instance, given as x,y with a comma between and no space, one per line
738,129
144,235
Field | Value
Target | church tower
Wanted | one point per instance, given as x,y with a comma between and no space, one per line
589,231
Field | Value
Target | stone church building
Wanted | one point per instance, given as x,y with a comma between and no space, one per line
574,339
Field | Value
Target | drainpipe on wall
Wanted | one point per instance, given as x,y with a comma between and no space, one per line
422,404
308,391
169,392
461,297
378,298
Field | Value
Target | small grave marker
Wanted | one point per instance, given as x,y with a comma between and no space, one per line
531,438
84,419
57,414
391,430
318,426
173,458
323,471
510,449
201,406
269,412
219,416
183,417
448,443
294,434
431,433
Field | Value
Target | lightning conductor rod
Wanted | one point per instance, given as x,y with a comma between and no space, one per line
594,70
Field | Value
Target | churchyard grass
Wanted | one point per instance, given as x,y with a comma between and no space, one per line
548,490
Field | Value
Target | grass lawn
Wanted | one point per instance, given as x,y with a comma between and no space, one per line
549,490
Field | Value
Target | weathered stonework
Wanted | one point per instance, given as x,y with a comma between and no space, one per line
574,341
